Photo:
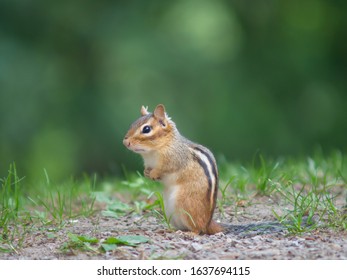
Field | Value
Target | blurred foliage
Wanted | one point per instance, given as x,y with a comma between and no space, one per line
238,76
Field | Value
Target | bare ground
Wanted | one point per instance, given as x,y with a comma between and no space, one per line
252,234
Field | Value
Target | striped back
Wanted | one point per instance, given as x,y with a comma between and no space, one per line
206,160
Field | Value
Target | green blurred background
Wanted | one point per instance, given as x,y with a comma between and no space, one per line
237,76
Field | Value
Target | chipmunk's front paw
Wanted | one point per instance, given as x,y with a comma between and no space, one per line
154,175
147,172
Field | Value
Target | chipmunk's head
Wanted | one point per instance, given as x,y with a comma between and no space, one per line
150,132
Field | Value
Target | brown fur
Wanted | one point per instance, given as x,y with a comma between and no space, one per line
192,199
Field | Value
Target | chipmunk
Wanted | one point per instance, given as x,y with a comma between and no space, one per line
187,170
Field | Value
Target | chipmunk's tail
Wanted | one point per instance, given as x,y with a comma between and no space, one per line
214,228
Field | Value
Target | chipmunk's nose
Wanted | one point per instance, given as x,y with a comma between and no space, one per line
126,142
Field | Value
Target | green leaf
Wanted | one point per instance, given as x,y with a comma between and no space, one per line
88,239
116,241
133,239
128,240
111,214
116,209
118,206
111,240
102,197
73,237
108,247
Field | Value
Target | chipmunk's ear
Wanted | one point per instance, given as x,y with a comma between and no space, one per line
144,111
160,114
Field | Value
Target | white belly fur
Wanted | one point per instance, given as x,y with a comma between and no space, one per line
170,193
150,159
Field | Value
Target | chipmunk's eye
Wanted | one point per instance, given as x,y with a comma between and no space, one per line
146,129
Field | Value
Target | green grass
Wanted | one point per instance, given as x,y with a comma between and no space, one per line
310,194
24,209
312,191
